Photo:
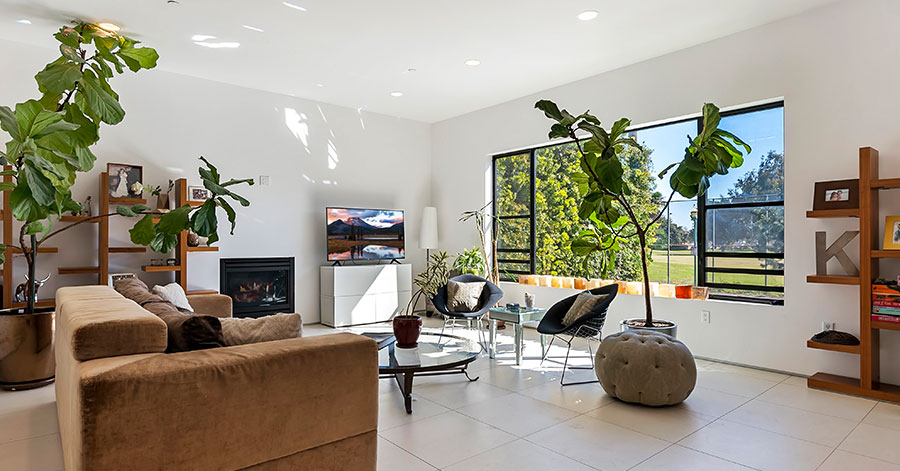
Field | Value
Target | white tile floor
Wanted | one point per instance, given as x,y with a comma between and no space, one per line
519,418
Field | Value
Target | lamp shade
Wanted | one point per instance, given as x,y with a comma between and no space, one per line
428,235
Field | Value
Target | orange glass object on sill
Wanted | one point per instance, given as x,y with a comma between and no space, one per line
683,291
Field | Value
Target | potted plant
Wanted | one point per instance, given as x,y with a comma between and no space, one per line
607,201
50,144
162,199
469,261
408,326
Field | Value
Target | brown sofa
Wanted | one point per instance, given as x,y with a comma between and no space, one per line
298,404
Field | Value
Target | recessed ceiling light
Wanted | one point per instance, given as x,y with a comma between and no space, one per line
396,94
201,37
320,85
410,70
473,62
23,22
253,28
218,45
588,15
109,27
295,7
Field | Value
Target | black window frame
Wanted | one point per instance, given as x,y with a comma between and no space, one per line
703,255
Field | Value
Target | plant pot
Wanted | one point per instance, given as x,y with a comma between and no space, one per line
663,327
162,201
407,330
26,349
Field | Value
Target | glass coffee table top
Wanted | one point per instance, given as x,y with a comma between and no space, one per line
433,353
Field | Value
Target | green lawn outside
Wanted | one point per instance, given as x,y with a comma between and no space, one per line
681,270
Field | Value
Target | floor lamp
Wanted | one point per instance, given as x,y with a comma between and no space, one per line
428,240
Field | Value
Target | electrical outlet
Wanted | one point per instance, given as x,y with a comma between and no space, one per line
263,180
704,317
827,325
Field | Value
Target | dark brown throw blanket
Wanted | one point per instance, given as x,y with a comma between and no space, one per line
186,331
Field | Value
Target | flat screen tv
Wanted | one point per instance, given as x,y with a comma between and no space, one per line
365,234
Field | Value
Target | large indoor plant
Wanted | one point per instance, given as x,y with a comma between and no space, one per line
50,143
607,201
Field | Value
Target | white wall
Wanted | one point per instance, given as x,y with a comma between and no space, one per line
378,161
835,67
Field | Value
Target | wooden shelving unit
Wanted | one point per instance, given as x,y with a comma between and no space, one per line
833,213
868,384
158,268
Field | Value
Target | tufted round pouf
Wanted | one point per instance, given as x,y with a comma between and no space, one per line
645,367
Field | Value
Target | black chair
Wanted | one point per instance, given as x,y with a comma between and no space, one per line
588,327
490,295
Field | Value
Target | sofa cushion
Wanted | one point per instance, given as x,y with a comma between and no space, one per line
185,331
244,330
174,293
464,297
99,323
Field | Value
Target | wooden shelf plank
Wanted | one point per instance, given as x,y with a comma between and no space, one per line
833,279
830,382
202,291
833,213
155,268
886,183
39,303
195,203
886,254
203,248
885,325
78,219
78,270
127,201
832,347
17,250
135,249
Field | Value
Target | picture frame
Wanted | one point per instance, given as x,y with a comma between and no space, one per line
891,233
121,178
198,193
836,194
114,277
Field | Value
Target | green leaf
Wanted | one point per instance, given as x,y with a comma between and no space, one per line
711,120
618,128
163,242
34,227
86,159
55,127
737,140
8,122
101,102
68,36
24,206
550,109
610,173
126,211
137,58
204,221
7,186
58,77
583,247
143,232
233,181
71,53
174,221
597,132
228,211
41,187
212,173
666,170
558,131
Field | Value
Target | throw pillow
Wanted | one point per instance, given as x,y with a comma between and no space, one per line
244,330
584,302
464,297
174,293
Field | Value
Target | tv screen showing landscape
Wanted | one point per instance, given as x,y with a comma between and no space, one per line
365,234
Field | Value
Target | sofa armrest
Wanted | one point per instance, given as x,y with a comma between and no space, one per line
218,305
229,408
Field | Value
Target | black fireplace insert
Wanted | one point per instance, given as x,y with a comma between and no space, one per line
258,286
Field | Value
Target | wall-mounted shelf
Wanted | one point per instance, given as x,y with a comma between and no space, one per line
202,291
886,183
156,268
203,248
127,201
41,303
833,213
886,254
78,270
135,249
832,347
78,219
833,279
17,250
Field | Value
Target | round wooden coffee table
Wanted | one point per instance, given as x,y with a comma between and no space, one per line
436,355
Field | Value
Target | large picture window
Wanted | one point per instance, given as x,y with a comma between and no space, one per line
731,239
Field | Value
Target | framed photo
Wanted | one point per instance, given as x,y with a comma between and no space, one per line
114,277
198,193
122,179
838,194
892,233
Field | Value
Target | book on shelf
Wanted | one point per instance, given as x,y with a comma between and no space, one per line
887,288
882,303
883,318
888,311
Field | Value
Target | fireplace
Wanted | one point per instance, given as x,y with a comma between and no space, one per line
258,286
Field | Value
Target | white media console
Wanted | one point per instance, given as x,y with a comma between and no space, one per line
363,294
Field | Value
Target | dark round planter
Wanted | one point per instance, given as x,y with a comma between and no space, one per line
407,330
670,329
26,349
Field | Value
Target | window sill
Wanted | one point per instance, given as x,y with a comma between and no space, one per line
716,298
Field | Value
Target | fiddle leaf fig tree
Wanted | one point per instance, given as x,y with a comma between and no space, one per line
607,198
51,138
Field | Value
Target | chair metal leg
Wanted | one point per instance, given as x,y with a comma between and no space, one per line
566,361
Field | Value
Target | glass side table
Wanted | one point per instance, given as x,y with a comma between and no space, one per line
517,318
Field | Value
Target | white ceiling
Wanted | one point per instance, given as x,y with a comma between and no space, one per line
360,50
